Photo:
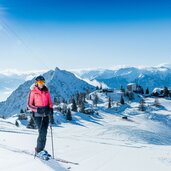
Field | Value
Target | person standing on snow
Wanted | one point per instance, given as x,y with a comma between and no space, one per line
40,103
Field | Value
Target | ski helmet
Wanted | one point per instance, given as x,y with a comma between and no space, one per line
40,78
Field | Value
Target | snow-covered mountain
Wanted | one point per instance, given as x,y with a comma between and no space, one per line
61,83
150,77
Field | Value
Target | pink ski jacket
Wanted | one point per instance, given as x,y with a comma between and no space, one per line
39,98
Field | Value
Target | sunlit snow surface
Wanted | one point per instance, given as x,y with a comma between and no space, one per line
103,142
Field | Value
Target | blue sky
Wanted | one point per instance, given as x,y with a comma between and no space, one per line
43,34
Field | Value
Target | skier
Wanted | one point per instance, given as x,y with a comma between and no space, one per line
40,103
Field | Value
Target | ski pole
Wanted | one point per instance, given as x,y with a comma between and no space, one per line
52,142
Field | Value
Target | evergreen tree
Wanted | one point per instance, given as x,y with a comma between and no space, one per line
81,98
16,123
122,89
77,98
56,101
95,100
74,105
142,91
68,115
109,103
130,95
82,107
31,124
87,95
166,92
101,87
97,87
83,95
70,100
122,100
64,101
142,105
63,107
147,91
21,111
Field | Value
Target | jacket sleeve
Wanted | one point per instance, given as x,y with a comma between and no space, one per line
30,103
50,101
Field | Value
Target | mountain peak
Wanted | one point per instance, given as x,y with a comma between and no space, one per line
57,69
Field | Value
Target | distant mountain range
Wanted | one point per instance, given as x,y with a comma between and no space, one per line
150,77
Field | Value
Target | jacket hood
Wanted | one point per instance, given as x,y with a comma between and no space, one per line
34,86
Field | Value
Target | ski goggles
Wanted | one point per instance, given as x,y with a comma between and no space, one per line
41,82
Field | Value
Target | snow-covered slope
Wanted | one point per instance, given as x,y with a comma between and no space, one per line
151,77
61,83
103,142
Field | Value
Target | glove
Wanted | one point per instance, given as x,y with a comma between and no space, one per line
51,118
40,110
43,110
51,111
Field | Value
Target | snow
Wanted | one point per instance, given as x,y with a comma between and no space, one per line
157,90
97,142
95,83
23,162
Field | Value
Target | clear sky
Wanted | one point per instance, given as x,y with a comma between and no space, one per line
71,34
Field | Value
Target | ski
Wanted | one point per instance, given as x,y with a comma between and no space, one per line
50,158
46,156
65,161
32,154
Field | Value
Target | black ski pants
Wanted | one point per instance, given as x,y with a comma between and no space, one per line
42,124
